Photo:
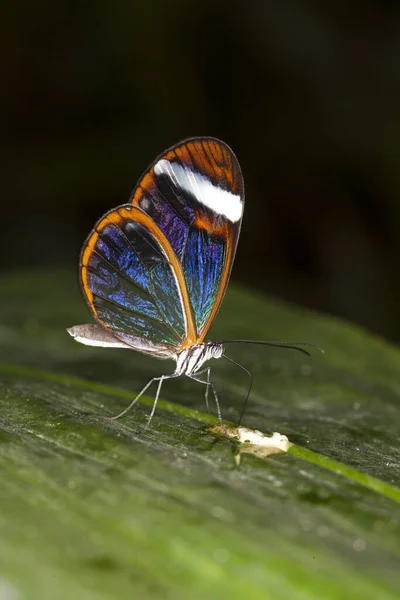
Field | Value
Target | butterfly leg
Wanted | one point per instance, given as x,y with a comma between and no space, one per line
128,408
207,384
160,380
211,385
207,388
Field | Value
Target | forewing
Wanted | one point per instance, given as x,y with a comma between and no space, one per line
130,278
194,192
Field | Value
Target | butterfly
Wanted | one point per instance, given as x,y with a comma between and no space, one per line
154,271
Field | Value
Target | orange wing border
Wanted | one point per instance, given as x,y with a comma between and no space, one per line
116,217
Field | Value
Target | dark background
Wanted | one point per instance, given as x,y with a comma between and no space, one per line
306,93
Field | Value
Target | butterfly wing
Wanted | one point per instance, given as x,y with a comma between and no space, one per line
194,193
134,285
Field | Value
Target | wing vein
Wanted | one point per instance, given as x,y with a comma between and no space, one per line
124,276
133,311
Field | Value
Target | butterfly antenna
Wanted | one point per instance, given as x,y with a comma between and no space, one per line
250,386
299,346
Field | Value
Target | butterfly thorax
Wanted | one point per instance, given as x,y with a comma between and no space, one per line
191,359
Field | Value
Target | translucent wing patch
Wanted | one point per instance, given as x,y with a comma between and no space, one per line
132,282
203,266
194,192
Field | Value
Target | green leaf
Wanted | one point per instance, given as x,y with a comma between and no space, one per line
99,509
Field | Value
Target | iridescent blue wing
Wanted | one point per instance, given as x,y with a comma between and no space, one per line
133,284
194,193
154,272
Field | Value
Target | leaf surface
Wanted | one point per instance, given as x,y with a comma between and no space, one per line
96,509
